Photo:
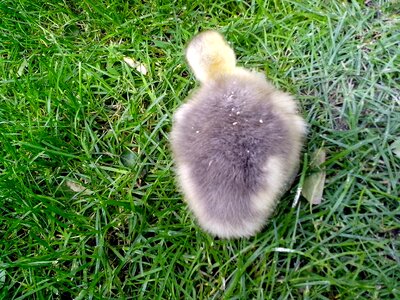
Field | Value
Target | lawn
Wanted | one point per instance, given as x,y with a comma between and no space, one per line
89,208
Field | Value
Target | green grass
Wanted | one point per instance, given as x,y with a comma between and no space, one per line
72,111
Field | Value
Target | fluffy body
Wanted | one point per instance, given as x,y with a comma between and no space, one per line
236,142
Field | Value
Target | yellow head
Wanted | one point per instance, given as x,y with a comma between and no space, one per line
210,56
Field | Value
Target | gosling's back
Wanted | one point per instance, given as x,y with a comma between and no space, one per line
223,140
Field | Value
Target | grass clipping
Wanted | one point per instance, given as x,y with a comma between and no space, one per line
313,187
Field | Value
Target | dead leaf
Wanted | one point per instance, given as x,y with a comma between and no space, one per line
313,187
22,67
396,148
2,277
76,187
141,68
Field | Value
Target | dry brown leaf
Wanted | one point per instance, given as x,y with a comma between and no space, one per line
141,68
22,68
313,187
2,277
396,148
76,187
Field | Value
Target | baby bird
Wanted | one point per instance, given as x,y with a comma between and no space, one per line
236,142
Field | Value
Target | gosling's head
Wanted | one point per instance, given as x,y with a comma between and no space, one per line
209,56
